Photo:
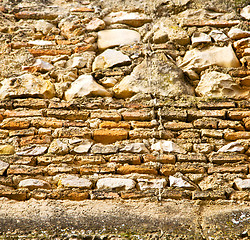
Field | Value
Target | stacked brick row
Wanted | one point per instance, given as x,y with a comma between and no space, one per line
102,149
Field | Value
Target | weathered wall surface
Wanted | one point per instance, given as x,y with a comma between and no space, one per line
122,105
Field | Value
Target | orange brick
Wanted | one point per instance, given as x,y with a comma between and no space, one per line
68,114
237,135
67,42
176,126
138,115
40,139
107,115
22,113
238,115
127,169
15,123
49,52
164,158
82,9
110,124
75,196
89,47
228,169
142,124
18,45
47,123
110,136
90,170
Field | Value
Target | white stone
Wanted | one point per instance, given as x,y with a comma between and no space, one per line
133,19
42,65
32,151
26,85
42,43
83,86
158,75
44,26
78,62
245,12
244,42
32,184
115,183
237,33
167,146
95,24
199,60
83,148
135,148
219,36
198,38
232,147
219,85
179,182
3,167
147,184
73,181
59,147
242,184
104,149
110,58
180,2
117,37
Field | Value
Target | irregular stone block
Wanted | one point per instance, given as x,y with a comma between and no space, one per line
7,150
236,135
191,157
115,184
107,115
72,132
24,170
168,169
15,123
228,169
135,148
32,184
88,159
117,37
3,167
104,149
245,12
221,158
60,147
95,24
32,151
242,184
179,182
161,158
73,181
198,38
26,85
237,33
219,36
232,147
133,19
167,146
125,158
109,136
147,184
127,169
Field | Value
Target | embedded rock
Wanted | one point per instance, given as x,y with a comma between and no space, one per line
179,182
242,184
32,151
7,150
218,36
42,43
82,148
167,146
104,149
147,184
245,12
110,58
115,183
232,147
32,184
117,37
73,181
95,24
199,38
167,29
219,85
133,19
135,148
26,85
3,167
42,65
83,86
44,26
199,60
237,33
59,147
158,75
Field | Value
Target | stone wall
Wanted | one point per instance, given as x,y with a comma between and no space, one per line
125,100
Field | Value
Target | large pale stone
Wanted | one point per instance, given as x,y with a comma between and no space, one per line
83,147
147,184
219,85
115,183
135,148
95,24
167,146
237,33
59,147
242,184
232,147
199,60
3,167
156,75
110,58
245,12
179,182
26,85
83,86
42,43
168,29
73,181
32,151
32,184
117,37
44,26
199,38
42,65
133,19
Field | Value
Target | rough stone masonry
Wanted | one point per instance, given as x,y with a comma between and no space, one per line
125,119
